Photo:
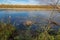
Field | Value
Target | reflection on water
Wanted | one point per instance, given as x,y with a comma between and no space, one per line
29,25
19,17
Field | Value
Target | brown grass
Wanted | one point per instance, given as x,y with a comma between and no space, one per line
30,7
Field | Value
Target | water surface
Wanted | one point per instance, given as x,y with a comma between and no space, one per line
19,17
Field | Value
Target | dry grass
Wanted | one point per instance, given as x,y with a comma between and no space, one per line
28,7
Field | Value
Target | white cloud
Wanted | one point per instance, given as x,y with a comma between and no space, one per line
20,2
28,2
47,1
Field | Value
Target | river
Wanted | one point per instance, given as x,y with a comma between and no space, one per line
19,17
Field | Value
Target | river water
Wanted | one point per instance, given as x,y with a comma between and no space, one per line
18,17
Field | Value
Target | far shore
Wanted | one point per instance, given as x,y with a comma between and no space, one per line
29,7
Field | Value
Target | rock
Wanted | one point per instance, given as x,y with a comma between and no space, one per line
28,23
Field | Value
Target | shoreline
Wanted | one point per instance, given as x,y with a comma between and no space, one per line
28,9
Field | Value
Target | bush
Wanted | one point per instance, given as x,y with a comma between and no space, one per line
6,30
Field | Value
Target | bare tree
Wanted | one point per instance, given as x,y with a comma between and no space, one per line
54,4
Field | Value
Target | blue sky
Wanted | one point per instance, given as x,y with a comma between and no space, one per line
25,2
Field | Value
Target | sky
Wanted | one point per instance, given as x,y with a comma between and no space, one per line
28,2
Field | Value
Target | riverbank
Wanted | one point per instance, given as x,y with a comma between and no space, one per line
29,7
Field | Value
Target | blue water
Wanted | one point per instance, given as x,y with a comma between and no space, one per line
19,17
